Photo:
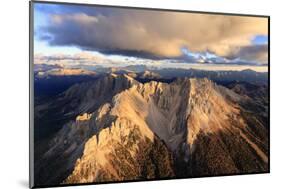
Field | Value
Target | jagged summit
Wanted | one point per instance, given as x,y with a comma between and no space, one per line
168,108
88,96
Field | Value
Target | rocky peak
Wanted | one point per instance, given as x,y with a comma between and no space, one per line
209,108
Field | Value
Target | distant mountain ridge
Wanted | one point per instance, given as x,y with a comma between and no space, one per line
65,72
145,72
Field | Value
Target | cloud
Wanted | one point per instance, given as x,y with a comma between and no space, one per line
258,53
67,59
90,61
152,34
245,55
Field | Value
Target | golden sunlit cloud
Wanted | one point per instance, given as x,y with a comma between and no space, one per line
158,33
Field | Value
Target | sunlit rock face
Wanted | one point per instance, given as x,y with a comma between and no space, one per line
122,152
61,150
83,117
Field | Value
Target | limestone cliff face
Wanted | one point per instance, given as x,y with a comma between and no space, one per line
122,152
62,150
86,97
190,127
80,98
222,136
210,108
186,115
128,149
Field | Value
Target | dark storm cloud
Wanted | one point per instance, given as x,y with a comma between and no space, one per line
258,53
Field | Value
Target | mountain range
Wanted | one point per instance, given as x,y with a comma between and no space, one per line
144,125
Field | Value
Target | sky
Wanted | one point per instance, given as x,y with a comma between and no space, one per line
76,35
